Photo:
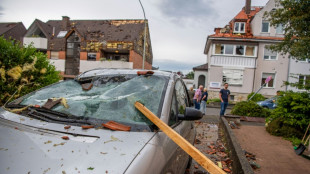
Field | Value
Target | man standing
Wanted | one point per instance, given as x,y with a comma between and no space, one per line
197,97
204,98
224,96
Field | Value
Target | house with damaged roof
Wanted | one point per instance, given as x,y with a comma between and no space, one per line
238,54
13,30
75,46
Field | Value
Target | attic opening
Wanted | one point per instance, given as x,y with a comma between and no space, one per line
35,31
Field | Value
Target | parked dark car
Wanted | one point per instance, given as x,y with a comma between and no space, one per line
37,137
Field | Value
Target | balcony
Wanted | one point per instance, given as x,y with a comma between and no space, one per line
233,61
88,65
38,42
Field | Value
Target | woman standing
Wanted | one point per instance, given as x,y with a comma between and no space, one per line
204,98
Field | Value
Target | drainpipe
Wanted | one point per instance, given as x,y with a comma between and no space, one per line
288,72
144,34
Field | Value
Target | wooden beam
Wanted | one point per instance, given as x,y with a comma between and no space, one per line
205,162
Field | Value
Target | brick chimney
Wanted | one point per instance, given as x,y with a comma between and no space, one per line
65,23
247,8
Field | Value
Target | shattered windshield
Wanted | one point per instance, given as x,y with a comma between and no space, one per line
109,97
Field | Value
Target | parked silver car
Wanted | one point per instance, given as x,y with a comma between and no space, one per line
45,133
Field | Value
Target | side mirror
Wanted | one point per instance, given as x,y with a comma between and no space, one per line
190,114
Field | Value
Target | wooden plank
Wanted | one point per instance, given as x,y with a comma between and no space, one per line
205,162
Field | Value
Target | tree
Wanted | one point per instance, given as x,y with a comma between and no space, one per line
23,70
190,75
295,19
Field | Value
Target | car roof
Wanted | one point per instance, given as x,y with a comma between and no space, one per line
102,71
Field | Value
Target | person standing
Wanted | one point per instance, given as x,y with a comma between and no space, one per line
204,98
191,94
197,97
224,96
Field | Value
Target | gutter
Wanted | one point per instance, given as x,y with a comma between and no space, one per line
244,39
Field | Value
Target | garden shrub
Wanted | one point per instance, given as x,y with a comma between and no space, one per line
277,127
257,97
292,112
214,100
250,108
23,69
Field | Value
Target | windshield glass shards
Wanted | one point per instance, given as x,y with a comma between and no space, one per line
109,98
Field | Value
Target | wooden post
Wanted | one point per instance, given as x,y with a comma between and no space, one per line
205,162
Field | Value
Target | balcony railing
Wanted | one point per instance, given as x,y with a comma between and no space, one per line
38,42
233,61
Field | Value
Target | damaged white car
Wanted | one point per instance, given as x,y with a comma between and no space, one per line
90,125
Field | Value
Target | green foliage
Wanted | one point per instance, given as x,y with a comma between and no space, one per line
295,19
302,83
278,127
23,69
214,100
257,97
190,75
293,109
250,109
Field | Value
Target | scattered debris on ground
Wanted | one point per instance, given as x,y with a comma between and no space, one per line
209,142
252,160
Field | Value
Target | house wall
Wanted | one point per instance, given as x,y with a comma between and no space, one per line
256,23
137,60
196,76
83,55
62,54
278,66
297,67
37,42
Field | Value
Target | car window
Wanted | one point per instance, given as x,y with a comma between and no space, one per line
112,97
181,95
173,111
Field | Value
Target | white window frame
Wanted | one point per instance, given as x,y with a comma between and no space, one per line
304,80
234,50
268,26
93,53
239,27
274,80
269,57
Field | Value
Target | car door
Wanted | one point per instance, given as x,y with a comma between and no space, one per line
179,158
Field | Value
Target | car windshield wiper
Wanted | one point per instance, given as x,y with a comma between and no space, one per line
59,117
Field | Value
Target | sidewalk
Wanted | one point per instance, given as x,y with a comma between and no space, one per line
274,154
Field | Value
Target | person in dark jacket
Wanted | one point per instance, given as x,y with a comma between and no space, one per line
224,96
204,98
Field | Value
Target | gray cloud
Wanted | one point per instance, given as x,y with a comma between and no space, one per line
1,10
179,11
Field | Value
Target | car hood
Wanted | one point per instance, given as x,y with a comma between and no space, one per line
32,146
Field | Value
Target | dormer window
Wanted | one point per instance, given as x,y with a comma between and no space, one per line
239,27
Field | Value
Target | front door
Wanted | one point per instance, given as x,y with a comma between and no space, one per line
72,66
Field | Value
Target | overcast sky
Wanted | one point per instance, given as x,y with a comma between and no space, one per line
178,28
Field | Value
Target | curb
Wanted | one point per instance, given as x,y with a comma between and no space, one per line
240,163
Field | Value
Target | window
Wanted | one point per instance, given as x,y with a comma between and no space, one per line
62,34
279,29
91,56
250,51
303,81
265,26
219,49
233,76
229,49
269,55
270,84
173,112
238,50
181,97
54,55
239,27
